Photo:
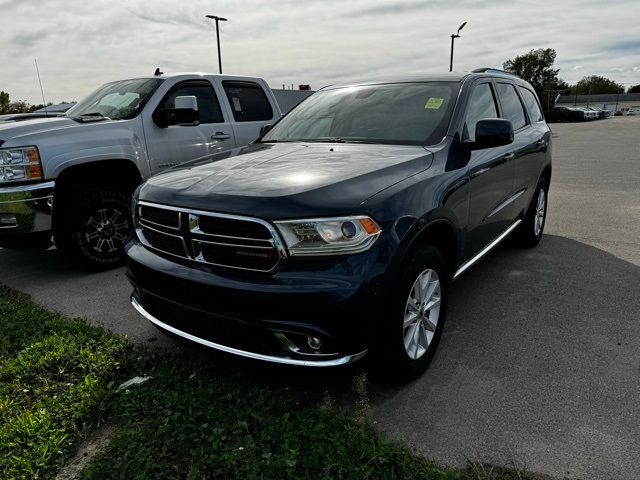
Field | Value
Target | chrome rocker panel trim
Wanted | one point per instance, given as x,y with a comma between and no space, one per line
256,356
465,266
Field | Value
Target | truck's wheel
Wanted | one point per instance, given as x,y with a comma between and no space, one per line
94,224
413,322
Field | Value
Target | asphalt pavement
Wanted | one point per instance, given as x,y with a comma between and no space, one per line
539,365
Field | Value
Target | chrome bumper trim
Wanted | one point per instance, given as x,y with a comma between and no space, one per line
256,356
31,205
465,266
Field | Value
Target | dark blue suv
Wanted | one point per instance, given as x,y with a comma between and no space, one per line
337,233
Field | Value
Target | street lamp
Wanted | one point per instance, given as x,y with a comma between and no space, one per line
218,19
453,37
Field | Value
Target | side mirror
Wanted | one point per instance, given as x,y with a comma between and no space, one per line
187,111
492,132
265,128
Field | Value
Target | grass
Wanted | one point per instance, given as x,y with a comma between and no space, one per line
58,381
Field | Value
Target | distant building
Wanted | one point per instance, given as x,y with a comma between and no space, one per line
609,101
59,108
287,99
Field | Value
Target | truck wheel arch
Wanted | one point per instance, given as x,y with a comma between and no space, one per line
119,173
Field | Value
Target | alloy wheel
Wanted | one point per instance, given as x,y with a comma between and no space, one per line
422,313
541,207
107,230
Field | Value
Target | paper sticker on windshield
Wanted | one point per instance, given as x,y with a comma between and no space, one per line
434,103
236,104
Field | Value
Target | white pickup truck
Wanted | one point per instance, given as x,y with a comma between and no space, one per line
71,177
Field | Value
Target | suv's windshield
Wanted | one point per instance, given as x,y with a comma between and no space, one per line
118,100
400,113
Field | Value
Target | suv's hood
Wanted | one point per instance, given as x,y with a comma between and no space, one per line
289,179
15,130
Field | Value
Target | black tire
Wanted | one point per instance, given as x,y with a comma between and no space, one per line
93,224
527,234
391,360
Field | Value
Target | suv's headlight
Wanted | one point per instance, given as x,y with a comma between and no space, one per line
329,236
20,164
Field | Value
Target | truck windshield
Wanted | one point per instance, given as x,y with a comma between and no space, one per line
398,113
118,100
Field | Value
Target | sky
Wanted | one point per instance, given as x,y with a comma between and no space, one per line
81,44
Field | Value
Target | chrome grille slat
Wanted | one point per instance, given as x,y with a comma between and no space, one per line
262,253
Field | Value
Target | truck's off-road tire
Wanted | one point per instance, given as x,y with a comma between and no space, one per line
412,324
93,225
529,232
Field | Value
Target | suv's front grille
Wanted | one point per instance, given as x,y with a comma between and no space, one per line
212,238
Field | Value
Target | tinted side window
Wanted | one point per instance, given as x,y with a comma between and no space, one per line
208,105
248,101
512,108
532,105
481,105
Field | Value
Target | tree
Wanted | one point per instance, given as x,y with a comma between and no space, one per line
595,85
4,102
634,89
536,68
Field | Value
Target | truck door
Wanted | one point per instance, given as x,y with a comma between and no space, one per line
174,145
250,108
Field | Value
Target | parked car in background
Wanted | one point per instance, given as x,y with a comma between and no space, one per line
72,176
338,232
564,114
633,110
599,112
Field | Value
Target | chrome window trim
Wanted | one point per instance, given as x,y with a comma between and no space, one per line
244,353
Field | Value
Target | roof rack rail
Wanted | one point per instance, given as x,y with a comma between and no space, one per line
496,70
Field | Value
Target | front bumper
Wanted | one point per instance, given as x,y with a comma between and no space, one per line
26,209
247,314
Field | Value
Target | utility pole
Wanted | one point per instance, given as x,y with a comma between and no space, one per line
218,19
453,37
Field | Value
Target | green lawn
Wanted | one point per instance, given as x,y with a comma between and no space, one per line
190,421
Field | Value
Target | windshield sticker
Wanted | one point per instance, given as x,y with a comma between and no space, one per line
236,104
434,103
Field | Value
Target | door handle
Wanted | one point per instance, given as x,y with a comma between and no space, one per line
509,156
220,136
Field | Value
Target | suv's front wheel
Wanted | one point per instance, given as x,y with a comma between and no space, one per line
94,224
413,324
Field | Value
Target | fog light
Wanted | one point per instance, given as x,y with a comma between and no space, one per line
314,342
8,220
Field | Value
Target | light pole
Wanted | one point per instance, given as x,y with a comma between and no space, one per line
218,19
453,37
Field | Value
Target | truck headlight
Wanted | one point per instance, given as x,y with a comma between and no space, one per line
329,236
20,164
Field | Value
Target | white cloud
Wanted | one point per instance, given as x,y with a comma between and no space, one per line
80,44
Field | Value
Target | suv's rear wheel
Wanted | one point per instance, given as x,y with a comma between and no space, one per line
414,321
529,233
95,225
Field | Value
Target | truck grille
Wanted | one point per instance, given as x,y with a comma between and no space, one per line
217,239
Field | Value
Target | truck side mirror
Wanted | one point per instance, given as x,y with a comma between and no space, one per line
265,128
187,111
